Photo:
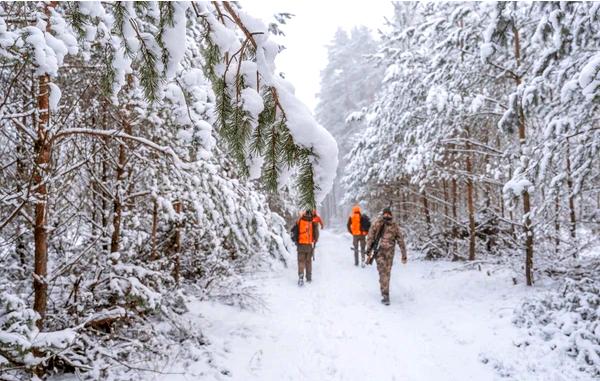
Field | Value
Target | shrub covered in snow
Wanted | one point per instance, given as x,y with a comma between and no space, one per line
139,199
567,321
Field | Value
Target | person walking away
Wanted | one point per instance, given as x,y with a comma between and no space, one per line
384,235
358,226
307,236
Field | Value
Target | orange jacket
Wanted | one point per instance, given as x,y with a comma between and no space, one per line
354,222
307,232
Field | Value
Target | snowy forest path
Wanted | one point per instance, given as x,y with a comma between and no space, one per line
440,326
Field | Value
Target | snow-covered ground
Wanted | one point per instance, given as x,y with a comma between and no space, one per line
443,324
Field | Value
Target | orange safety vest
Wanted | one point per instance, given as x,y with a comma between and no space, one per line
355,224
305,232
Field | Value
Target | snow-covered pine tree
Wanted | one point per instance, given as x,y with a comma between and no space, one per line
127,182
423,133
445,124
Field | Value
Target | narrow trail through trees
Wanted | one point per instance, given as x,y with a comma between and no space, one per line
442,324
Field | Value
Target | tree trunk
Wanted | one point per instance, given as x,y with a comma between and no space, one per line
104,197
572,216
446,202
426,211
454,215
470,205
153,255
176,272
527,225
557,222
120,188
117,200
445,188
511,215
43,147
501,199
528,240
105,207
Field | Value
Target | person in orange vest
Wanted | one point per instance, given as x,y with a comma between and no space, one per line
358,225
306,234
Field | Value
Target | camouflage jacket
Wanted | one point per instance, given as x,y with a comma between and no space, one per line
391,235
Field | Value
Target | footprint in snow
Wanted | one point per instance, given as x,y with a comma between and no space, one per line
255,362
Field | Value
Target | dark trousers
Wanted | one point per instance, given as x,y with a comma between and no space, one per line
305,261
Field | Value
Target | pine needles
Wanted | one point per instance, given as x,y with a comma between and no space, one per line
268,136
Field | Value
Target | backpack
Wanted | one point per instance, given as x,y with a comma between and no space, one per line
365,223
295,233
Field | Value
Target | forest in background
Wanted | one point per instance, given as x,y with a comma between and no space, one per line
149,151
482,131
484,137
141,144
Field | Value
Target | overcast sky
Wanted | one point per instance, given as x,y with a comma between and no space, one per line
311,30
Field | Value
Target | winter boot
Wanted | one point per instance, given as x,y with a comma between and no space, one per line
362,263
386,299
309,278
300,281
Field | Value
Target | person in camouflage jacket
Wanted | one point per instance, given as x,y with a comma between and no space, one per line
390,236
